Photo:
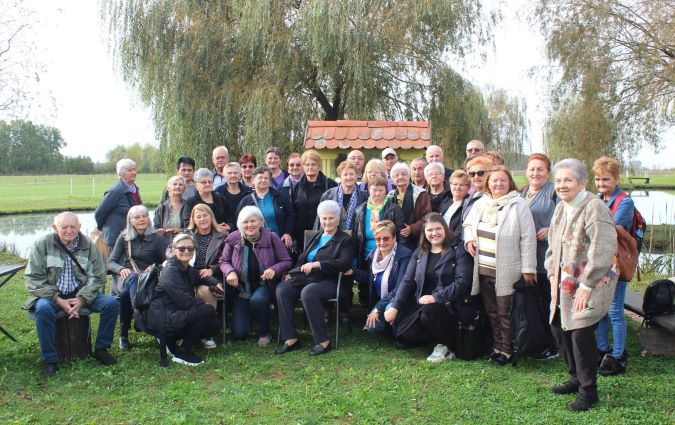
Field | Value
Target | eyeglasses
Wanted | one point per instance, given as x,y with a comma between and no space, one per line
383,239
458,184
185,248
293,165
248,166
474,150
480,173
205,182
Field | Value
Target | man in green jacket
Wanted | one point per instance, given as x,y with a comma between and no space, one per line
66,272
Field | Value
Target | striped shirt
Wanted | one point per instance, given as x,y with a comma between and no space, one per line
67,282
487,262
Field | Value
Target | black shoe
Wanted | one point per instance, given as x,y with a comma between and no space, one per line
546,355
103,357
125,345
186,357
583,402
319,349
49,370
501,360
285,348
566,388
611,365
603,353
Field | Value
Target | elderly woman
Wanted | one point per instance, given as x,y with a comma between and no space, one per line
248,163
253,261
136,250
375,168
453,208
386,267
346,194
206,195
437,279
278,214
273,162
580,263
175,307
233,191
112,211
477,169
438,193
414,202
209,243
607,173
168,220
314,280
306,195
499,230
542,200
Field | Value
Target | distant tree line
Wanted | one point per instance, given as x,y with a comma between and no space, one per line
30,148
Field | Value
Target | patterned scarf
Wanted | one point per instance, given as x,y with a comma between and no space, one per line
489,213
375,211
383,264
352,206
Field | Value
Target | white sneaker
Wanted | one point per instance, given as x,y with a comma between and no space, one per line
264,341
187,358
209,344
441,352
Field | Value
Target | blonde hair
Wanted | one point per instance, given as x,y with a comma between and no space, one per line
311,154
375,165
607,165
203,208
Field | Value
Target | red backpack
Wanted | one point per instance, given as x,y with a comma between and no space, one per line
639,226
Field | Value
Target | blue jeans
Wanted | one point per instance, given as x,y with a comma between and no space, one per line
258,306
45,322
616,317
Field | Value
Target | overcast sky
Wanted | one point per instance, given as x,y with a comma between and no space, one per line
95,110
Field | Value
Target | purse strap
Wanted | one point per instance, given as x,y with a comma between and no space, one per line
131,259
68,253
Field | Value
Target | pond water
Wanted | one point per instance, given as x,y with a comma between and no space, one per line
21,230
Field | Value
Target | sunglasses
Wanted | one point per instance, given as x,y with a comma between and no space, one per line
480,173
185,248
383,239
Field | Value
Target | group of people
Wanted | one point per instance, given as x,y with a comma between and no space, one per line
426,246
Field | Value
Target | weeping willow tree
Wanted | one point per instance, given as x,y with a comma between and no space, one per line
249,74
510,127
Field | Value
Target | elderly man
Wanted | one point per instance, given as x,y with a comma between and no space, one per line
357,158
435,154
65,272
220,158
185,167
417,172
473,149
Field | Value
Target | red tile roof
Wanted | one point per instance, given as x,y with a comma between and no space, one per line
347,134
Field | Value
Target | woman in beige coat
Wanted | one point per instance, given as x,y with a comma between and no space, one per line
581,265
499,232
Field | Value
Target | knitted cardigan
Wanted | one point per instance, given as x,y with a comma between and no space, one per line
582,251
516,242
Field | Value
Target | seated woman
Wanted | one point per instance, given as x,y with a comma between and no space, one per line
386,268
176,308
254,260
438,278
314,280
137,248
169,214
209,244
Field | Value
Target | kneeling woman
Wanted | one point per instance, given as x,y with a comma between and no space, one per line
438,277
253,260
176,308
314,280
386,267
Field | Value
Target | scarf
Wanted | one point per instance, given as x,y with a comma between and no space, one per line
383,264
489,213
375,211
352,206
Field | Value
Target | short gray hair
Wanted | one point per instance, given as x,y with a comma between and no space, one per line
201,173
246,213
329,207
577,167
123,164
130,232
181,237
400,166
438,165
234,165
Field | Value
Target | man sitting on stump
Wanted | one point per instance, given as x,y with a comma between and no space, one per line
66,272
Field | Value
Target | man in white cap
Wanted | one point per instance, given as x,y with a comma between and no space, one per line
390,158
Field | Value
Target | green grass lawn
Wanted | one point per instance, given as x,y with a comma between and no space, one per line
365,381
24,194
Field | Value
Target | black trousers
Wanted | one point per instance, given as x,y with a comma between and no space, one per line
439,323
581,355
313,297
203,324
544,293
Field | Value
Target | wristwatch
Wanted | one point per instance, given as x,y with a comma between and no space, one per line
376,311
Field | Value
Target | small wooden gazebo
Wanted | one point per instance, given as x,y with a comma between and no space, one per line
335,139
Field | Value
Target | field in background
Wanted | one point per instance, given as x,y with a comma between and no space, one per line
25,194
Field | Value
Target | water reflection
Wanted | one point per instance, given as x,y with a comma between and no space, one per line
657,207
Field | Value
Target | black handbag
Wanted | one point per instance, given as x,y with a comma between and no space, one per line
470,341
410,331
145,290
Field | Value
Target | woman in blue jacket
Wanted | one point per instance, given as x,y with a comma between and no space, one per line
607,175
437,280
